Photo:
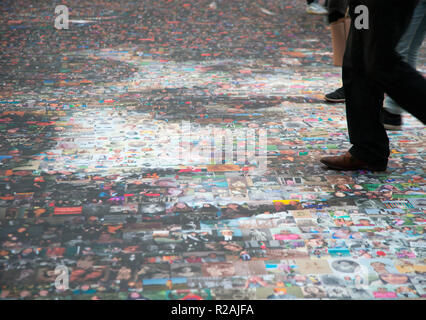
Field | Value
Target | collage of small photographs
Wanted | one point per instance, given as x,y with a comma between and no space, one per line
90,125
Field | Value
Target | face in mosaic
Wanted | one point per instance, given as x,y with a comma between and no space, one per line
170,151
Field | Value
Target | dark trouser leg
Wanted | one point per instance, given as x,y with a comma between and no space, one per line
371,66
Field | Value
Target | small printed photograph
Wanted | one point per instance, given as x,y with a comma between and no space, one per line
220,293
306,223
314,292
256,234
263,181
279,218
279,292
418,203
201,235
363,204
337,292
204,256
195,217
130,208
411,266
360,293
340,214
228,235
222,168
164,284
355,280
290,244
234,211
346,233
247,223
339,252
313,243
407,292
26,276
262,194
300,280
331,280
345,266
189,294
166,236
363,221
286,233
273,254
339,180
343,222
290,181
399,204
315,180
257,281
390,279
160,207
237,185
313,266
419,282
278,267
286,205
319,253
403,253
154,271
315,231
249,268
219,269
382,292
369,253
95,209
43,275
376,211
337,243
152,210
378,266
226,283
303,214
186,270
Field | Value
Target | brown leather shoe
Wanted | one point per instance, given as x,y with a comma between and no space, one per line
349,162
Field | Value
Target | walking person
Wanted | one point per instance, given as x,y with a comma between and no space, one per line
372,67
408,47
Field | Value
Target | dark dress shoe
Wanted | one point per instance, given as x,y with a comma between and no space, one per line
349,162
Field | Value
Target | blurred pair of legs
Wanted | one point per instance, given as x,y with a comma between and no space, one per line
372,67
409,47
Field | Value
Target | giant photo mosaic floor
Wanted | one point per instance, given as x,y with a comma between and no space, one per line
101,176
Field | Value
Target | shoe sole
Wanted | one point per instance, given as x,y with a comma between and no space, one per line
334,100
346,169
392,127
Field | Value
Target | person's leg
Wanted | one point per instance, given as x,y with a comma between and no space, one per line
409,46
418,24
363,101
389,20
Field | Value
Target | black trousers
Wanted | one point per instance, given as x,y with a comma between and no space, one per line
372,67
